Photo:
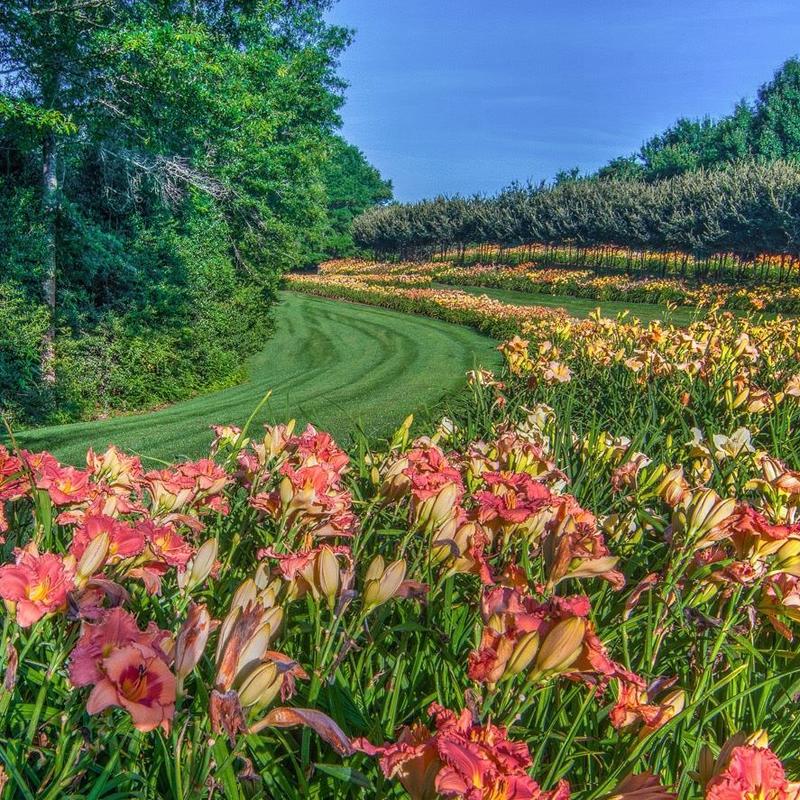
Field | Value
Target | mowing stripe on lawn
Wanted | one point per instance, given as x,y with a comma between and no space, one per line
337,365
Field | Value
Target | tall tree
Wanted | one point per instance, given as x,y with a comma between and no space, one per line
777,118
46,65
352,185
175,151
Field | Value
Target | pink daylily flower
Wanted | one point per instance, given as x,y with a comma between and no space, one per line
37,584
136,679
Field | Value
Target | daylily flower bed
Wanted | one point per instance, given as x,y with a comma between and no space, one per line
533,278
510,607
586,283
490,316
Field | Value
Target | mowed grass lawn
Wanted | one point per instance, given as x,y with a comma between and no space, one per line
582,307
338,365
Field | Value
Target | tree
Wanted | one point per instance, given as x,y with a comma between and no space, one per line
352,185
734,134
622,168
777,117
567,175
744,208
184,146
47,65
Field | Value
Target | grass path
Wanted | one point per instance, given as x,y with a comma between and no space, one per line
338,365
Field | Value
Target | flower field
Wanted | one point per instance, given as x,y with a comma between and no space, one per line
489,316
534,278
585,582
610,257
664,291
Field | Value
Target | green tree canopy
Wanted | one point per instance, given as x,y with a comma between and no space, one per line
186,152
352,185
767,129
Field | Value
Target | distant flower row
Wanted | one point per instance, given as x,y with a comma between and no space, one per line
532,278
491,316
664,291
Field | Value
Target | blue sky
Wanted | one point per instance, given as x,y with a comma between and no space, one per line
462,96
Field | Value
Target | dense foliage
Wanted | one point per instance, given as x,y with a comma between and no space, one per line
352,185
161,164
742,209
766,129
582,584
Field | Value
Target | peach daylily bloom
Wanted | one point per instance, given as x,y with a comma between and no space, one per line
37,584
136,679
460,758
511,503
751,772
124,540
116,629
412,759
65,485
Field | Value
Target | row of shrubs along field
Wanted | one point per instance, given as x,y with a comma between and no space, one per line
583,583
707,223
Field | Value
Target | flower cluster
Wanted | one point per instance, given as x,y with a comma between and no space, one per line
452,305
585,283
460,758
587,574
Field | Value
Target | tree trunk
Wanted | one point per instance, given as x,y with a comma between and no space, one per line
49,213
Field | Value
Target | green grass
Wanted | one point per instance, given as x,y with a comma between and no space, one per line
338,365
582,307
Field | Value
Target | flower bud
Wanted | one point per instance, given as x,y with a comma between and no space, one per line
787,559
523,654
562,647
375,569
433,512
400,437
225,630
93,558
710,511
256,646
286,491
327,574
673,488
395,482
276,438
268,596
202,563
245,594
260,686
383,582
192,639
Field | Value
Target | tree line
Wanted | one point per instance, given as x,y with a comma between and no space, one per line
703,187
768,128
162,162
743,209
